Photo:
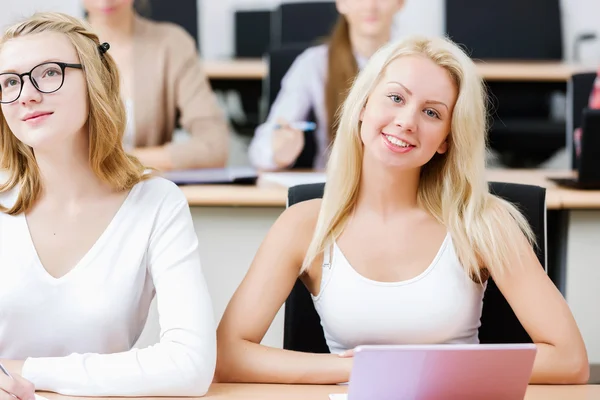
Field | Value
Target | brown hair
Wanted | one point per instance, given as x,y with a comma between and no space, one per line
341,71
106,122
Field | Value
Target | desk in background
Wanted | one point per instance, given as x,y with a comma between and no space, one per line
257,69
234,391
232,221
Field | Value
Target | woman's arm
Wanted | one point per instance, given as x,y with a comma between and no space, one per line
199,114
545,315
256,302
293,103
183,362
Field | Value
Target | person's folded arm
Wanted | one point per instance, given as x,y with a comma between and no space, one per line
200,113
183,362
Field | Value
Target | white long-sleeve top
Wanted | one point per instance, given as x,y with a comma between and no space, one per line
302,90
76,332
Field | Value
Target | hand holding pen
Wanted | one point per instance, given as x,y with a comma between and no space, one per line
288,141
15,387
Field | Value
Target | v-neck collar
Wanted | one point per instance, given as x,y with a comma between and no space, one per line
91,252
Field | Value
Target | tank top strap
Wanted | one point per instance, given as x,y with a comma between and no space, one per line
327,257
326,269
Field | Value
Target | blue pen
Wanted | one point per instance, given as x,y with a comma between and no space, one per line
303,126
7,374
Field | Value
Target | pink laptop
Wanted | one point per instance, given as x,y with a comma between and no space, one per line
441,371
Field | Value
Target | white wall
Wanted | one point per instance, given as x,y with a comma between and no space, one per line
19,9
419,16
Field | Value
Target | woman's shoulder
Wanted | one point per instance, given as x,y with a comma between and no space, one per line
300,218
315,52
310,62
9,197
166,33
313,56
160,193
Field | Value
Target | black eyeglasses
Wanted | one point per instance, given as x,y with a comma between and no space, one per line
46,78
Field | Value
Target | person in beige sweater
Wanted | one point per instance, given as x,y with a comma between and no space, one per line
163,87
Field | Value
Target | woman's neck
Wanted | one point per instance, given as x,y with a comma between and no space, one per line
387,190
117,28
66,172
366,46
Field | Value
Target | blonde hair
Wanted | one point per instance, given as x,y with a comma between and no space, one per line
453,187
106,122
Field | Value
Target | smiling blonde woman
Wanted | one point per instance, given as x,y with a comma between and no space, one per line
399,249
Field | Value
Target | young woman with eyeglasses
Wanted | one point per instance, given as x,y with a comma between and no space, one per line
88,237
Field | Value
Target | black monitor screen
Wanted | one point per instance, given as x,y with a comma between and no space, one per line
508,29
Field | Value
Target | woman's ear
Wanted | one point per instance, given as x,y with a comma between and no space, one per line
443,147
342,7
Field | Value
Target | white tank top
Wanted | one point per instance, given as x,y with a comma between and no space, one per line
441,305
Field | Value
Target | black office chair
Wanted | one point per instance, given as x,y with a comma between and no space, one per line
302,23
302,325
280,60
252,33
579,89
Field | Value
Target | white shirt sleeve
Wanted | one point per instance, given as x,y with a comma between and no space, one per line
183,362
293,103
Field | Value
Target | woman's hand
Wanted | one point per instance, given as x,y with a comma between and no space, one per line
287,144
16,387
347,354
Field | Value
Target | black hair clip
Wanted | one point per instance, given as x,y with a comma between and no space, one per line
104,47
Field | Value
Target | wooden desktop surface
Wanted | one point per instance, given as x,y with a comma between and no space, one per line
551,71
320,392
267,194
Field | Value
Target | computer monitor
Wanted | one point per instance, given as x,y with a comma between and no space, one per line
508,29
588,161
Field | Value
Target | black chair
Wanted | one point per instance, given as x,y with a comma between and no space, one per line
304,23
280,60
302,325
579,89
252,33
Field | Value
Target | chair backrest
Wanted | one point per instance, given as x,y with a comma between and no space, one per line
280,60
302,325
510,29
579,89
302,22
252,33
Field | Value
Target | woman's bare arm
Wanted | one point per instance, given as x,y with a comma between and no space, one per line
241,357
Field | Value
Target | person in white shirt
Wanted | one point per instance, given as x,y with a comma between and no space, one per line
399,249
87,235
318,80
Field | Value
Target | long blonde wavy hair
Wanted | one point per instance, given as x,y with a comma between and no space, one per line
453,186
106,122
